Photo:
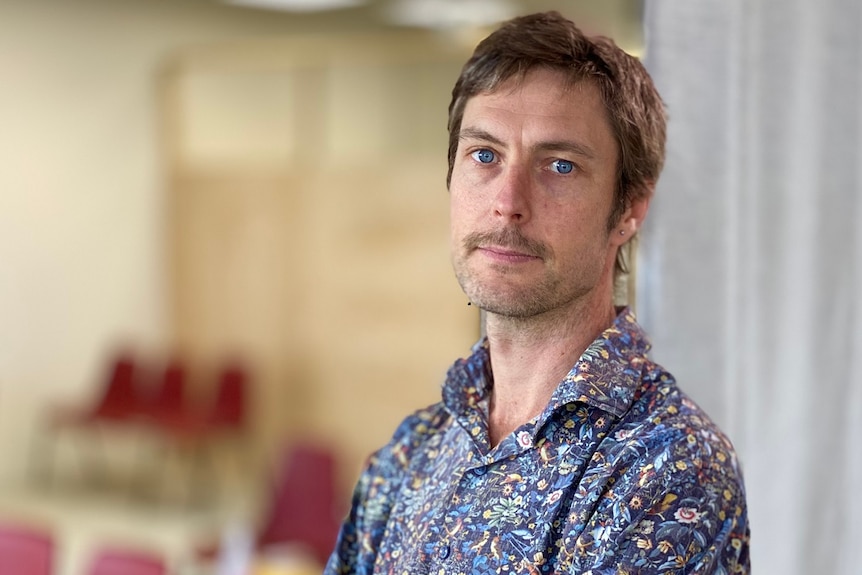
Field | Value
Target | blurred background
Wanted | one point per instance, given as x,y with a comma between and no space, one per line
195,193
224,258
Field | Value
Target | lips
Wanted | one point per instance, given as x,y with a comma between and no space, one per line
507,244
500,252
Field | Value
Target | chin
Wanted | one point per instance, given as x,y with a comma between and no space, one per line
514,304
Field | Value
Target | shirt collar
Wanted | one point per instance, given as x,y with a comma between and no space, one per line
609,371
606,375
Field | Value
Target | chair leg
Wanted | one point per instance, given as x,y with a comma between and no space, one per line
92,459
149,463
203,475
40,466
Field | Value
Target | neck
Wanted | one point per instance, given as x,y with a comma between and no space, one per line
531,356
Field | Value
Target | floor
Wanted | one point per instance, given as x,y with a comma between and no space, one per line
130,492
171,516
82,521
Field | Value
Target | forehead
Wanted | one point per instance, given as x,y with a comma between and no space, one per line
542,104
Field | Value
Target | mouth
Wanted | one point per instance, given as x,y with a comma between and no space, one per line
506,254
506,246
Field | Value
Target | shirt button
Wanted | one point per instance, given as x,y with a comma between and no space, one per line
443,551
480,471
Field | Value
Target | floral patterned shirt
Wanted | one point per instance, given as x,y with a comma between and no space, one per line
621,473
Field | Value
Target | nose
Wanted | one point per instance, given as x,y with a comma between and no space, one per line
512,201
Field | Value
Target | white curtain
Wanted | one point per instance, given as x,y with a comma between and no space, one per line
751,262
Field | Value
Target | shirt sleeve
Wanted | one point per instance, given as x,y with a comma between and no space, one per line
680,510
373,498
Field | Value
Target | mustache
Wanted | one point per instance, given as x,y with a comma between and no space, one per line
509,238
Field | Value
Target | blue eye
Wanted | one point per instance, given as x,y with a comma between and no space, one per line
562,166
483,156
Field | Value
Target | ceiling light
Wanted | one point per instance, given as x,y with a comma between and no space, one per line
297,5
449,14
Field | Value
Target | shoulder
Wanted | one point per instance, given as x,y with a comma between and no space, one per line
377,488
416,430
664,415
680,487
672,438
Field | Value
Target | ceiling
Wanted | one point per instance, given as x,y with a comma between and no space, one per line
619,19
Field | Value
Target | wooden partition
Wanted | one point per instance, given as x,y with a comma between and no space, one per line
308,229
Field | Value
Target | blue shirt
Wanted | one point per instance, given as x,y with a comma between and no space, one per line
621,473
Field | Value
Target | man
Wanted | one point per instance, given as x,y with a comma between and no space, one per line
558,447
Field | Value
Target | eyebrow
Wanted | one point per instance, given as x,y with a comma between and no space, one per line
551,145
477,134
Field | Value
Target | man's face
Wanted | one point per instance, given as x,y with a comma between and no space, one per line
531,192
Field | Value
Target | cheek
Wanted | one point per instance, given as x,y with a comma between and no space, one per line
459,215
578,233
472,181
465,203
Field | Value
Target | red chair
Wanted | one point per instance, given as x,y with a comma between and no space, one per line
25,551
228,410
191,431
126,562
168,403
304,508
120,399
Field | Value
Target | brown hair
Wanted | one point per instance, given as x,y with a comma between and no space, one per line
635,110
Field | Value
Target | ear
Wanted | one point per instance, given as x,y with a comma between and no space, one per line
633,217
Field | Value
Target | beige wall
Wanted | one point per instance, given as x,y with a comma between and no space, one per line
82,189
